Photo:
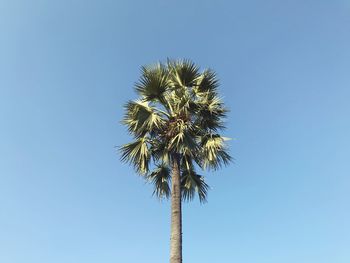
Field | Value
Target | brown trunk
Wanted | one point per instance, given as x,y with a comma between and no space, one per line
176,220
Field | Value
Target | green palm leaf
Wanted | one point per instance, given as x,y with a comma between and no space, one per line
137,154
160,151
192,183
208,81
140,118
210,111
153,82
213,151
184,73
160,178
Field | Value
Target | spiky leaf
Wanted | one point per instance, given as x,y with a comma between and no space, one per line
160,178
192,183
137,154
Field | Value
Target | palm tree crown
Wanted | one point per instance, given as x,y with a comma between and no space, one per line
177,117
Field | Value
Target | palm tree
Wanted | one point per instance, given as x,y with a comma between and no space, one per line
175,125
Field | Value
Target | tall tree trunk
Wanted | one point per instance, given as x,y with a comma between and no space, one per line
176,215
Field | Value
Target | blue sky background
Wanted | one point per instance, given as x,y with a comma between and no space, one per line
66,69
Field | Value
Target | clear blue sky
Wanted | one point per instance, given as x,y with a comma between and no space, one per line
66,68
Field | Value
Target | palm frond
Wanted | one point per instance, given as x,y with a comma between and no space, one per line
153,82
207,81
137,154
192,183
160,178
213,152
140,118
183,140
160,151
210,112
184,73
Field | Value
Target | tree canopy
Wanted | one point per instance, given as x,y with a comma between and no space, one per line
178,115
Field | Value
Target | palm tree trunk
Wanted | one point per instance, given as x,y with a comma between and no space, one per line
176,220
